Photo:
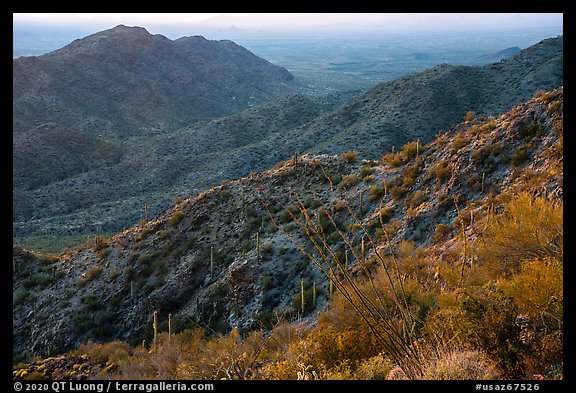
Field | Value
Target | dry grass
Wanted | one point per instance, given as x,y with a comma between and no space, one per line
460,364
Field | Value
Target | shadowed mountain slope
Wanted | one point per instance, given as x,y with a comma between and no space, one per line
202,261
125,81
419,105
200,155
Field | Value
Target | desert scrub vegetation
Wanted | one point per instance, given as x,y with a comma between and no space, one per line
397,311
527,228
407,153
477,300
349,156
176,217
348,181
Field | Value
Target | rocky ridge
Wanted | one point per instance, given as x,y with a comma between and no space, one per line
188,160
217,260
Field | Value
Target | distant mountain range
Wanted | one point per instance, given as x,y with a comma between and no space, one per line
499,55
147,105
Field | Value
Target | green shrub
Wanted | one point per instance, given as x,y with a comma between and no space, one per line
520,155
385,214
267,248
375,368
91,303
392,159
440,171
446,202
349,156
39,280
416,199
410,175
93,272
176,217
398,192
365,172
100,242
375,193
470,115
114,351
348,181
531,130
459,141
441,232
410,150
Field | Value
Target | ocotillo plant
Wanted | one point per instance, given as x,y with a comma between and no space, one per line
394,329
155,326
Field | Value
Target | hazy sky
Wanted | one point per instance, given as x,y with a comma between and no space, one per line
287,20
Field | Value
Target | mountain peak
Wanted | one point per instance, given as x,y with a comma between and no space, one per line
129,32
124,28
132,38
129,81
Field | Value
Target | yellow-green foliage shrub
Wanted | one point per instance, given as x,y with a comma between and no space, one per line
348,181
410,150
375,368
176,217
527,228
114,351
349,156
392,159
509,304
537,292
375,192
458,142
440,171
537,289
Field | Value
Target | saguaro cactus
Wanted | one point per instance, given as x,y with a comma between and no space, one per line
258,246
302,294
314,294
155,326
169,328
211,260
